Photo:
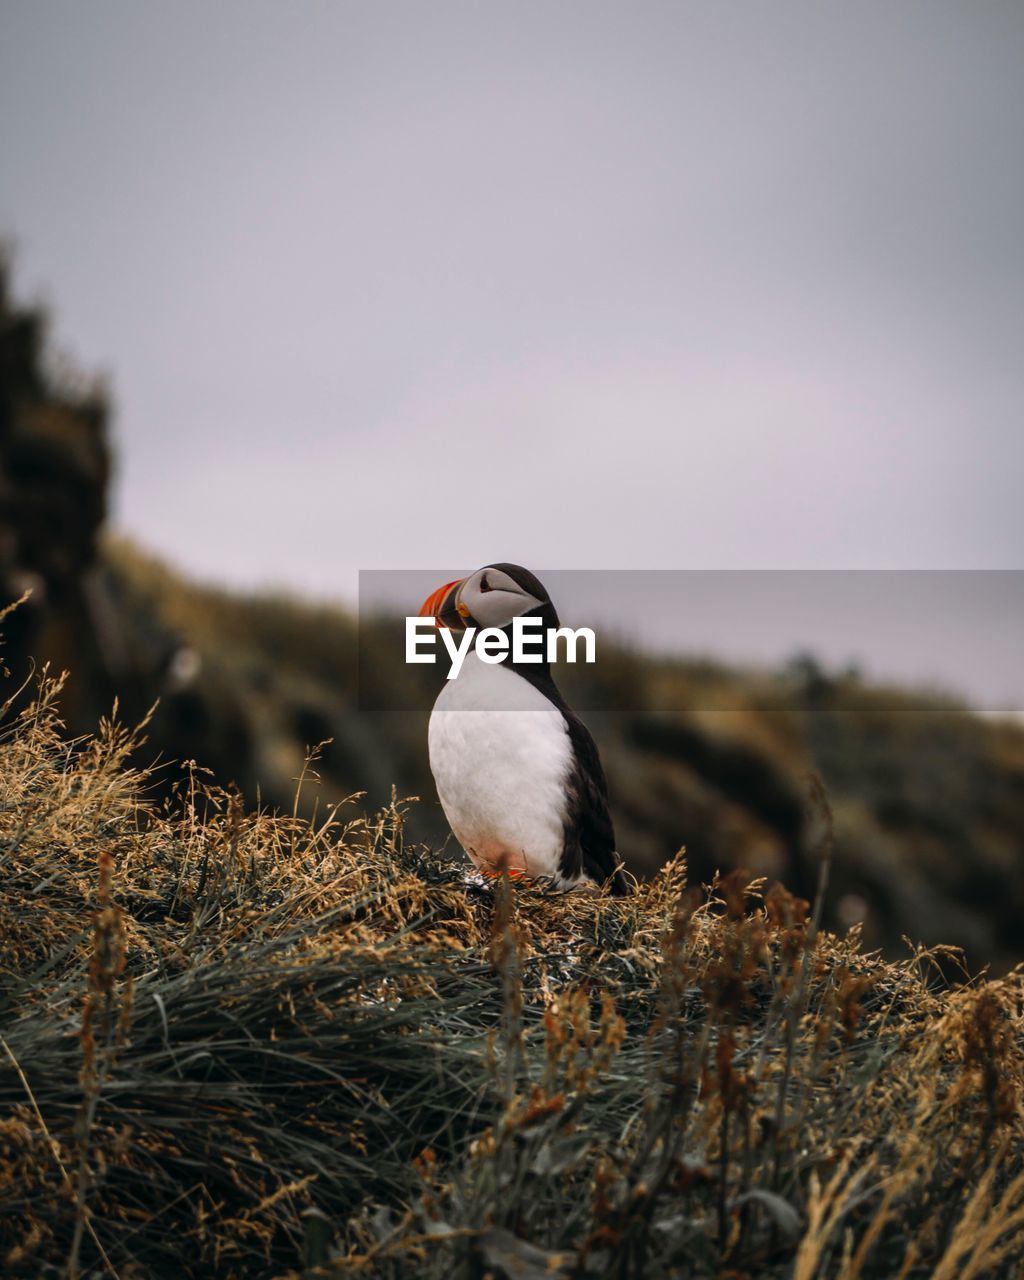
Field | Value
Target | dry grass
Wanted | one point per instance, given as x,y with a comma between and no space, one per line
244,1044
928,798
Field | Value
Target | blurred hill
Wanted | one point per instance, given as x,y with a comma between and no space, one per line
928,797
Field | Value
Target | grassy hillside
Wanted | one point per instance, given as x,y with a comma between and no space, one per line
928,798
238,1044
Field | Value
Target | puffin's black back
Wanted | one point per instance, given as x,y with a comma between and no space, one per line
589,834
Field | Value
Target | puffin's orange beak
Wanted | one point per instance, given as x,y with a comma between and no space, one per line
440,604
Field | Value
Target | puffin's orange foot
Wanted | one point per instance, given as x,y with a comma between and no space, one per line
513,873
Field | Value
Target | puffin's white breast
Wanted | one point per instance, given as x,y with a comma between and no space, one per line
500,754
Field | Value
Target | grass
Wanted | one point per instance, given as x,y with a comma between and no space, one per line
928,797
240,1043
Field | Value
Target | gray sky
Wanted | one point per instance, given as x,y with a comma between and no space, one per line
581,285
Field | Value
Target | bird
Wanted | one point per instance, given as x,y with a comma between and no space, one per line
518,774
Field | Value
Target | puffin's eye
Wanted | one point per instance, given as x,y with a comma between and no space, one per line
484,584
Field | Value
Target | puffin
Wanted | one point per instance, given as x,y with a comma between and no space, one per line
518,775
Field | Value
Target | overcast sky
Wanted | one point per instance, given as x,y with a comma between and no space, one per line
677,285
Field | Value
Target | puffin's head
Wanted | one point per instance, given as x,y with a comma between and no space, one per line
491,597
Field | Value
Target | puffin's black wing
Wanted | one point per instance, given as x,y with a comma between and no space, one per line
589,834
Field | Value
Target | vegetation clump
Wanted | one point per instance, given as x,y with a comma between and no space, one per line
242,1043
